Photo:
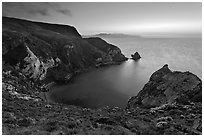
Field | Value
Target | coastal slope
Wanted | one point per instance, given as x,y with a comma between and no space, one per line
52,52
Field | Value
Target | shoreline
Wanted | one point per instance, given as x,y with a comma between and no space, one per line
54,118
52,85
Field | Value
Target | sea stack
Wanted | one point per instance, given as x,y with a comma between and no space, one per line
136,56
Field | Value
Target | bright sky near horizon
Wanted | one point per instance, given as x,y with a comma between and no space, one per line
143,18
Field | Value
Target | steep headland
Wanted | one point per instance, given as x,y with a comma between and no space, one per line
38,53
53,52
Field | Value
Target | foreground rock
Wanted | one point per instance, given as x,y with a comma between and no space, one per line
172,101
167,87
136,56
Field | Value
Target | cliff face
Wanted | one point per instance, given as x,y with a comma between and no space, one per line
52,52
113,52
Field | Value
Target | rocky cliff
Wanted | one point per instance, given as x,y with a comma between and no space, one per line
167,87
52,52
173,102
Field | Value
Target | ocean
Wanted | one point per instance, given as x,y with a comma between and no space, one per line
114,85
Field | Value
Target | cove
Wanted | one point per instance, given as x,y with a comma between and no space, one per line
107,86
114,85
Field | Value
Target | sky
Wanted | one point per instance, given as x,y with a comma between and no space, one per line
138,18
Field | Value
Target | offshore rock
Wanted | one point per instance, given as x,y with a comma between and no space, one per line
136,56
167,87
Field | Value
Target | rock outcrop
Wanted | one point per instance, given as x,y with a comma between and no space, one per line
52,52
167,87
136,56
172,101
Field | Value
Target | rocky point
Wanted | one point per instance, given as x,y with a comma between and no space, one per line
53,52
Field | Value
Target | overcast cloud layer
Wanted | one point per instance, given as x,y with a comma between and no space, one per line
131,18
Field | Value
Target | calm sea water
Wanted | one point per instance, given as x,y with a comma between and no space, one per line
114,85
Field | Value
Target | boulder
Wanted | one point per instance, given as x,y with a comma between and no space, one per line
136,56
168,87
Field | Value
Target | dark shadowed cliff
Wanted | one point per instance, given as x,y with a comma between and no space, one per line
51,51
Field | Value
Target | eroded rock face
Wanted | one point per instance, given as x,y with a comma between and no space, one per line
36,68
167,87
53,52
18,54
136,56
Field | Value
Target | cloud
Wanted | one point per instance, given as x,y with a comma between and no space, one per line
65,12
25,9
43,12
30,9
